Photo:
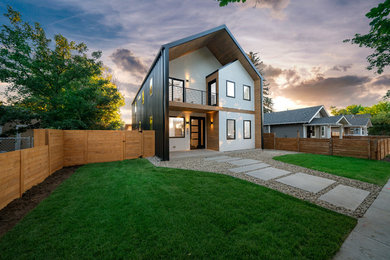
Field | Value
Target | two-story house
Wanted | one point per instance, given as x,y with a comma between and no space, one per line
201,92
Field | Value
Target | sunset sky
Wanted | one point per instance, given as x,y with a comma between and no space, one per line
300,41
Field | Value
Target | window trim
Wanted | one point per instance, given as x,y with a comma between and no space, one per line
234,95
227,129
184,132
323,128
184,86
250,129
243,92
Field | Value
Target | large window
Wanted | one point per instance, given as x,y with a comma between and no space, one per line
247,92
151,86
247,129
231,129
176,90
176,127
230,89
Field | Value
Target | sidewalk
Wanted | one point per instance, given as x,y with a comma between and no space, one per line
371,237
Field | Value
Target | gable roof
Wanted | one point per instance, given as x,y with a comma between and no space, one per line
331,120
359,120
296,116
218,40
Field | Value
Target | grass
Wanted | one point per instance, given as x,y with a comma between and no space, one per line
376,172
131,209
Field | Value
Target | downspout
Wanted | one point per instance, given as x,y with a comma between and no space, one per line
262,113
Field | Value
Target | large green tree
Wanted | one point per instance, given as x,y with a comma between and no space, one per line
378,37
267,100
54,84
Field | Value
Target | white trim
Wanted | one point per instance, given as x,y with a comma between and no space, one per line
323,128
322,107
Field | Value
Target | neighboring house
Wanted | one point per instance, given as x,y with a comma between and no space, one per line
359,124
310,122
201,92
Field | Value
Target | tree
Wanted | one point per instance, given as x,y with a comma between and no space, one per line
225,2
349,110
387,96
54,85
380,124
267,101
378,38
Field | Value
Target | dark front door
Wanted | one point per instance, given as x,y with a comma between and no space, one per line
197,127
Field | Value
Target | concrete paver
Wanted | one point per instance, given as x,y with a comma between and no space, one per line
249,167
268,173
306,182
345,196
243,162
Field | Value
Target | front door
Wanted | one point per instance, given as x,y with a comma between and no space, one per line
197,127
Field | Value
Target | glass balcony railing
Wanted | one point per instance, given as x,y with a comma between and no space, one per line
193,96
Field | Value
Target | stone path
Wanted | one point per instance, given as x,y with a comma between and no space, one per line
371,237
340,196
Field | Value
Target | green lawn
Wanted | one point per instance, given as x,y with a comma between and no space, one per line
376,172
131,209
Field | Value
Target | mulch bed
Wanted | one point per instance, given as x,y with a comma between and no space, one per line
18,208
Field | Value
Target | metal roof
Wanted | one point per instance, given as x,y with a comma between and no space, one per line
296,116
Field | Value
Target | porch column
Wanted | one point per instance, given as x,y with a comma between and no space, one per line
328,131
341,132
361,131
304,131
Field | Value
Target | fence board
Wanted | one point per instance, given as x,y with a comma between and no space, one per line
9,177
269,142
40,137
133,146
148,143
352,148
287,144
312,145
56,149
75,147
34,166
105,146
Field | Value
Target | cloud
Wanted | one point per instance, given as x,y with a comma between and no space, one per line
382,81
343,68
125,60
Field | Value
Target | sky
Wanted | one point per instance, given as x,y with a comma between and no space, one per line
300,42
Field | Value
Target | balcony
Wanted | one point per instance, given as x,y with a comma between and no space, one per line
192,96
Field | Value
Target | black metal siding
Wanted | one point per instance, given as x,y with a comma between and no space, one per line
154,106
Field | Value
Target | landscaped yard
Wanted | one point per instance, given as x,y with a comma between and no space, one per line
131,209
376,172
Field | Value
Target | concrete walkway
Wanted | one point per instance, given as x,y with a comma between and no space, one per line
371,237
341,195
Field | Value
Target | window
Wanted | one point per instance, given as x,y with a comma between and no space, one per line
313,133
139,126
143,97
151,87
176,90
176,127
135,107
230,89
230,129
247,92
322,131
151,122
247,129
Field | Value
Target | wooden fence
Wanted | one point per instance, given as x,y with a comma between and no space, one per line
55,149
367,147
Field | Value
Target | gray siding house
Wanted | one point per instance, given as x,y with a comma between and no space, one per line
314,122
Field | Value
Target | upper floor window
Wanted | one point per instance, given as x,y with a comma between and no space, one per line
247,129
230,89
135,107
151,122
247,92
230,129
176,90
151,86
143,97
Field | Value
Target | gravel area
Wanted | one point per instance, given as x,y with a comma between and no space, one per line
198,163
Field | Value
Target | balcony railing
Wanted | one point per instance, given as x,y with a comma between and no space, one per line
193,96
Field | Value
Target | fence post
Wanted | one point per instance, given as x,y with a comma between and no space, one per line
123,144
369,148
297,140
274,136
331,146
